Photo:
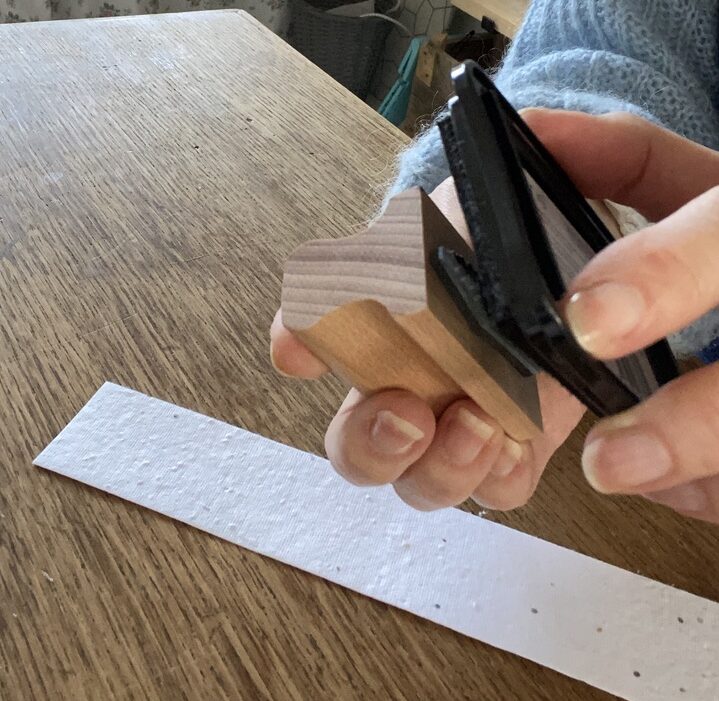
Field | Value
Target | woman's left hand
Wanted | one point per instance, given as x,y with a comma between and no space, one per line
642,288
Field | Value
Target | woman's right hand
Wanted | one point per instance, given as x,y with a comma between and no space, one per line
393,437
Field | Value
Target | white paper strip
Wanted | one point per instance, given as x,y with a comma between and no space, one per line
620,632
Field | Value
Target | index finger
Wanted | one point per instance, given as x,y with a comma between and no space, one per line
290,356
650,284
626,159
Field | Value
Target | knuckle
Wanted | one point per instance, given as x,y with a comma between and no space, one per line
670,272
510,496
362,473
413,500
627,120
695,395
367,475
503,502
424,490
444,495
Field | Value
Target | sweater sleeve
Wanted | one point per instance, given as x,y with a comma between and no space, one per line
654,58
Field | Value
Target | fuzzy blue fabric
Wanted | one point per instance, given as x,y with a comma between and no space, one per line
655,58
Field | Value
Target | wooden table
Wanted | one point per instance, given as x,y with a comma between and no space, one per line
155,173
507,15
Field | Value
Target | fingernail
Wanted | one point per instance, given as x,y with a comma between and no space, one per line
508,459
603,313
686,497
466,435
392,435
625,460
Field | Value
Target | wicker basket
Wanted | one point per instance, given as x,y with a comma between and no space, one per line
347,48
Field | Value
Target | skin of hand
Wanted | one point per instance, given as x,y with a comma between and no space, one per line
633,293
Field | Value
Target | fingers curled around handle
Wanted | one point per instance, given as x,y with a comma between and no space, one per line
373,440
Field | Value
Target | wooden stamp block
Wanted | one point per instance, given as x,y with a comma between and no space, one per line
373,309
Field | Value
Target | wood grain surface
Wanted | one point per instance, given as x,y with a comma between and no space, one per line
155,174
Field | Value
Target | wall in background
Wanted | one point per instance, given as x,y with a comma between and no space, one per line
421,17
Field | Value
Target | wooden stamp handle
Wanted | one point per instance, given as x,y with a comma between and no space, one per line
372,308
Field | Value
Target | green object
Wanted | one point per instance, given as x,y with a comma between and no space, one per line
395,104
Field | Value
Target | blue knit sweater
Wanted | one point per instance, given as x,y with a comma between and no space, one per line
655,58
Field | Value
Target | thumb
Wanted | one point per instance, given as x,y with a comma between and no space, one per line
669,440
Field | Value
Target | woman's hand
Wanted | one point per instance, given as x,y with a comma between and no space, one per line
393,436
641,289
636,291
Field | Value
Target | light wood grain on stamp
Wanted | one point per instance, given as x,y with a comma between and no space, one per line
373,309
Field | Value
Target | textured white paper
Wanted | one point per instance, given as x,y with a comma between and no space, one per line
613,629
